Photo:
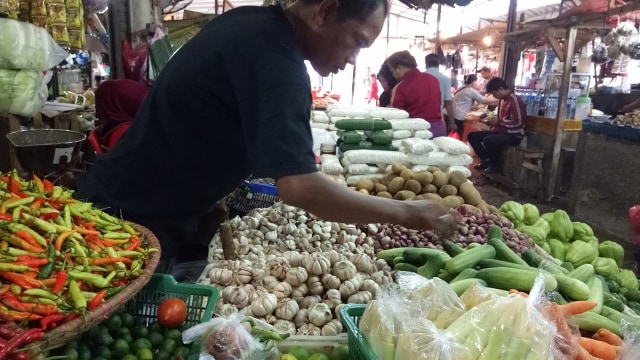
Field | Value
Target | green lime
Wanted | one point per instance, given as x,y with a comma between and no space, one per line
140,331
129,357
156,340
93,332
300,353
121,348
174,334
170,345
340,352
161,355
114,323
318,356
155,327
104,352
127,337
184,326
72,344
84,353
140,343
128,320
145,354
71,354
105,339
122,331
183,351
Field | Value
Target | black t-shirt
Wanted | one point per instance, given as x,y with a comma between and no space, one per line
233,101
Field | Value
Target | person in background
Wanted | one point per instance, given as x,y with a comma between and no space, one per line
117,103
464,100
533,80
373,91
454,78
507,129
417,93
485,72
388,82
433,68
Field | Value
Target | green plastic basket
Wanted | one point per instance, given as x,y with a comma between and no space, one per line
200,299
359,348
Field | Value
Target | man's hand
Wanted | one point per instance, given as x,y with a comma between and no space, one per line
428,215
453,126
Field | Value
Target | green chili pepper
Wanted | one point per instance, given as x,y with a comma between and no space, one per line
79,302
37,300
45,271
47,211
17,226
67,216
41,224
16,289
112,227
23,201
128,228
57,192
80,208
41,293
93,279
128,253
107,217
97,220
80,252
16,213
88,295
17,252
117,235
14,267
114,290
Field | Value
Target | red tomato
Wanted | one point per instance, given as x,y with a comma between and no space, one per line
172,313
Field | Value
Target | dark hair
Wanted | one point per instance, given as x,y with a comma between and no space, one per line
403,58
469,79
431,60
386,74
358,10
496,84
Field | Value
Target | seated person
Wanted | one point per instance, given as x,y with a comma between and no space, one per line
464,100
507,129
117,103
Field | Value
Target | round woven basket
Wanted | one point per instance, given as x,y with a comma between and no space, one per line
65,333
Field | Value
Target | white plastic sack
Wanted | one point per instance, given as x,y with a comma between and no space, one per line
401,134
417,146
335,119
353,179
332,127
462,169
397,143
423,134
331,164
317,125
27,47
22,92
419,168
410,124
320,117
362,169
375,157
348,111
321,136
388,113
439,158
451,146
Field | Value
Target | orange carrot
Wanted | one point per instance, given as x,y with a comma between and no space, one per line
584,355
514,291
577,307
608,336
599,349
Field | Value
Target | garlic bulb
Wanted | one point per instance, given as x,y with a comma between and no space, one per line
361,297
244,275
226,310
332,328
284,326
281,290
300,292
320,314
381,277
344,270
331,281
370,286
349,288
221,276
316,264
315,285
269,281
293,257
381,265
333,256
364,263
287,309
333,298
297,276
258,275
278,267
264,305
310,301
271,319
309,330
236,295
247,311
301,318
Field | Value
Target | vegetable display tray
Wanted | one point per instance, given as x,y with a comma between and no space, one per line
359,348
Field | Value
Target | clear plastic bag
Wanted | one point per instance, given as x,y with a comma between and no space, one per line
235,337
27,47
22,92
417,145
631,344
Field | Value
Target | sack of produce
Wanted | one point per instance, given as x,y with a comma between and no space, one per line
351,137
379,137
439,158
348,111
410,124
401,134
22,92
363,124
366,145
362,169
352,180
451,146
235,337
388,113
375,157
331,164
27,47
319,116
319,125
417,145
424,134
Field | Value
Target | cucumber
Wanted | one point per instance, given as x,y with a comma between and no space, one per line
465,274
531,258
473,246
445,276
431,267
592,322
583,272
509,278
489,263
553,268
398,260
574,289
405,267
495,232
611,301
469,259
390,254
596,292
567,265
503,252
452,248
461,286
416,256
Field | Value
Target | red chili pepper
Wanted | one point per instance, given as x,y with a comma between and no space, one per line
61,280
37,203
33,263
50,321
5,289
134,243
49,216
40,309
24,338
38,182
6,332
54,204
20,194
21,280
6,217
31,274
70,317
122,282
97,300
48,186
22,355
14,185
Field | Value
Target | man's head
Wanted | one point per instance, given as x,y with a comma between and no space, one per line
498,88
431,61
332,32
485,72
400,63
471,80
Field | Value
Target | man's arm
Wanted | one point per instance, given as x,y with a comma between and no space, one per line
630,107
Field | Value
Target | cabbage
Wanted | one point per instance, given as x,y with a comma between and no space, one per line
27,47
22,92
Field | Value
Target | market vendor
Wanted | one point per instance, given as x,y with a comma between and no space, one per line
231,104
388,82
465,99
630,107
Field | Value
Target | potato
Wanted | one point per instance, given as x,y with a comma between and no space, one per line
448,190
380,188
470,194
433,169
376,181
420,197
461,199
494,210
457,178
385,180
413,186
440,178
484,207
364,191
365,184
423,177
395,185
451,202
429,188
384,194
406,174
434,197
397,168
405,195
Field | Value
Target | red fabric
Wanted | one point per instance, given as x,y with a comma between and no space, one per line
419,94
373,93
634,217
117,103
512,117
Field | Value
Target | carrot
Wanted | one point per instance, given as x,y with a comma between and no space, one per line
577,307
608,336
514,291
599,349
584,355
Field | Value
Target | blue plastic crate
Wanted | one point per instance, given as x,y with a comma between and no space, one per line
630,133
611,130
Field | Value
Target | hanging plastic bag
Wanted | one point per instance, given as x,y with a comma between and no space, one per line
27,47
235,337
634,217
22,92
454,134
135,60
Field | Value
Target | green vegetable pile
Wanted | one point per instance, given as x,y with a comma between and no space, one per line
340,352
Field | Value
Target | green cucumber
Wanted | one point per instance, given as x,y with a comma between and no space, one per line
469,259
593,322
583,272
567,265
432,266
445,276
405,267
452,248
611,301
596,292
574,289
489,263
461,286
465,274
390,254
557,298
509,278
398,260
503,252
495,232
531,258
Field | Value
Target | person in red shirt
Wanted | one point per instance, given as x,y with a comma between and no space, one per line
373,92
506,130
417,93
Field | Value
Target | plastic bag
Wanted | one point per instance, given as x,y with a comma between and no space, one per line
22,92
362,169
27,47
417,146
439,158
410,124
135,60
388,113
235,337
401,134
451,146
631,344
331,164
352,180
423,134
375,157
634,217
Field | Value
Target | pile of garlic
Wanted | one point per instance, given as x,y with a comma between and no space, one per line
295,271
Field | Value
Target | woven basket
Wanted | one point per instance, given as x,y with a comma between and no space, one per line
68,331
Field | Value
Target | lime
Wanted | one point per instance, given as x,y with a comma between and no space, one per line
129,357
120,348
174,334
140,331
299,352
340,352
84,353
122,331
128,320
170,345
182,351
114,323
156,340
318,356
71,354
92,333
105,339
127,337
155,327
184,326
72,344
104,352
161,355
145,354
141,343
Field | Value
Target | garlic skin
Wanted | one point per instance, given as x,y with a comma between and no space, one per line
320,314
285,326
310,301
226,310
331,281
332,328
293,257
333,298
235,295
297,276
264,305
364,263
309,330
301,318
361,297
316,264
278,267
300,292
349,288
344,270
221,276
315,285
281,290
244,275
269,281
287,309
370,286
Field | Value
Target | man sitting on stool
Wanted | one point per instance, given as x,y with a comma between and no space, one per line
506,130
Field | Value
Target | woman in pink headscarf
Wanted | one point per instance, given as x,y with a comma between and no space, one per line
117,103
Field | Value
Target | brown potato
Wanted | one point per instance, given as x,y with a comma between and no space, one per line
447,190
405,195
471,195
365,184
440,178
434,197
433,169
385,180
395,185
397,168
461,199
406,174
457,178
451,202
413,186
384,194
423,177
429,188
380,188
